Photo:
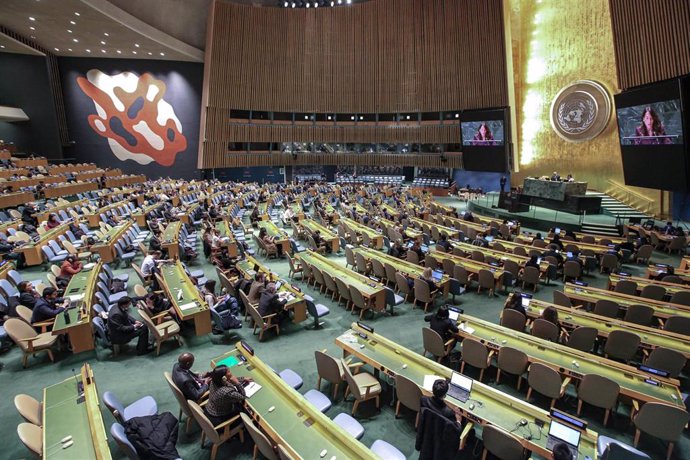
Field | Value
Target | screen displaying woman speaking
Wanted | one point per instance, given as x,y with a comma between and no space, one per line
482,133
656,123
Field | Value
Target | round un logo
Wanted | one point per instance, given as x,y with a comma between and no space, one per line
580,111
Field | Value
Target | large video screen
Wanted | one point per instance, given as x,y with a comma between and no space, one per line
487,133
656,123
651,122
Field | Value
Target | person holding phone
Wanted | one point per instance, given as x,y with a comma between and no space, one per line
123,327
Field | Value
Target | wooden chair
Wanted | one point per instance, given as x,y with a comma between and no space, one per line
264,323
161,332
217,434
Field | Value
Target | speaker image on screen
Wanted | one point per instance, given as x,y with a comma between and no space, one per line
483,140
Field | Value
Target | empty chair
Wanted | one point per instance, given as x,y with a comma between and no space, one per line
413,257
639,314
681,297
571,269
621,345
409,395
678,324
358,301
434,344
513,362
349,424
626,287
216,434
330,370
51,256
501,444
598,391
530,275
32,437
667,360
475,354
261,442
17,278
545,330
546,381
460,274
317,311
118,433
653,291
605,307
486,280
29,408
161,332
613,449
644,254
363,386
513,319
361,263
663,421
402,285
559,298
29,340
609,262
582,338
139,408
319,400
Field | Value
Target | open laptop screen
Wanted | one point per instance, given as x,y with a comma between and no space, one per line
461,381
526,298
437,275
565,433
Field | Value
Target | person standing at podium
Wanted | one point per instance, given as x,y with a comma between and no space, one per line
651,131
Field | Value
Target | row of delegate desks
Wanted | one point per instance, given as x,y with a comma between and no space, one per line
671,288
124,180
94,218
597,249
410,232
293,422
573,363
590,295
280,237
14,199
69,189
105,247
472,266
43,215
170,239
375,237
5,226
249,266
409,269
32,251
490,406
572,318
140,214
327,235
72,408
372,291
227,237
657,269
185,297
81,285
442,229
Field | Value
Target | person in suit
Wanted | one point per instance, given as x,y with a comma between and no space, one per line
270,303
192,385
123,327
555,176
437,403
441,323
47,308
27,294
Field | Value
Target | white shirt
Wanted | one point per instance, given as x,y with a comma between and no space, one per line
147,265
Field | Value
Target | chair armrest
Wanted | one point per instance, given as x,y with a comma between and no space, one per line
226,424
491,355
368,387
30,342
565,384
44,325
449,342
158,316
661,323
465,432
165,329
635,409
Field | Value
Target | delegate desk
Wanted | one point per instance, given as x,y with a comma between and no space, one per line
5,226
124,180
410,232
326,235
497,408
657,269
297,304
170,240
185,297
34,181
81,286
391,211
6,173
409,269
442,229
597,249
298,211
280,237
32,251
105,246
227,237
375,237
186,215
70,411
14,199
141,213
57,191
571,362
372,291
671,288
30,162
64,206
472,266
5,267
590,295
597,238
572,318
685,263
94,218
293,423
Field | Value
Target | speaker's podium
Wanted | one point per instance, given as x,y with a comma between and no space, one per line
559,195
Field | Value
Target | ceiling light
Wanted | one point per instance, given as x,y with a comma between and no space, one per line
332,3
162,54
134,52
77,14
69,31
119,52
69,49
33,36
75,40
137,45
57,49
408,117
457,115
2,46
106,34
349,1
150,53
102,51
293,4
352,117
88,50
329,117
361,117
73,23
285,4
31,18
102,42
32,28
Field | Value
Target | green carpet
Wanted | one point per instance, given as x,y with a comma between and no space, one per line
132,377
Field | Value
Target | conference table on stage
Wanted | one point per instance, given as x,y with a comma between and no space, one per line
32,251
280,237
105,247
297,304
12,200
489,405
375,237
82,286
373,291
69,411
573,363
409,269
590,295
185,297
286,417
671,288
572,318
327,235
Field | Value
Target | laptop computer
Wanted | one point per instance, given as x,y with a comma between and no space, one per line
454,313
559,432
489,238
526,298
569,255
437,275
557,231
460,387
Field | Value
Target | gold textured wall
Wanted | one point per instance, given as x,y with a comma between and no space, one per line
554,43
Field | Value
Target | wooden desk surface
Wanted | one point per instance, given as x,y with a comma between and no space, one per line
12,200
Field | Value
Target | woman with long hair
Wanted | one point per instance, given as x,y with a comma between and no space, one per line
649,128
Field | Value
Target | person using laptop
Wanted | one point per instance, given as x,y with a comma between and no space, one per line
437,404
428,276
514,302
441,323
561,451
563,440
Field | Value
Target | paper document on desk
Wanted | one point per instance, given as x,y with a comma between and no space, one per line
429,381
77,297
188,306
466,328
251,389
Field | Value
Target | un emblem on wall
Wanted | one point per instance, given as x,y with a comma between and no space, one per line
580,111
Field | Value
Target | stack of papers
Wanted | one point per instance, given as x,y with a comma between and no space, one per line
429,381
464,327
188,306
251,389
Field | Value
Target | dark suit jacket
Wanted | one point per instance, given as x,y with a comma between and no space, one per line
187,383
269,303
43,311
120,325
438,438
444,327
